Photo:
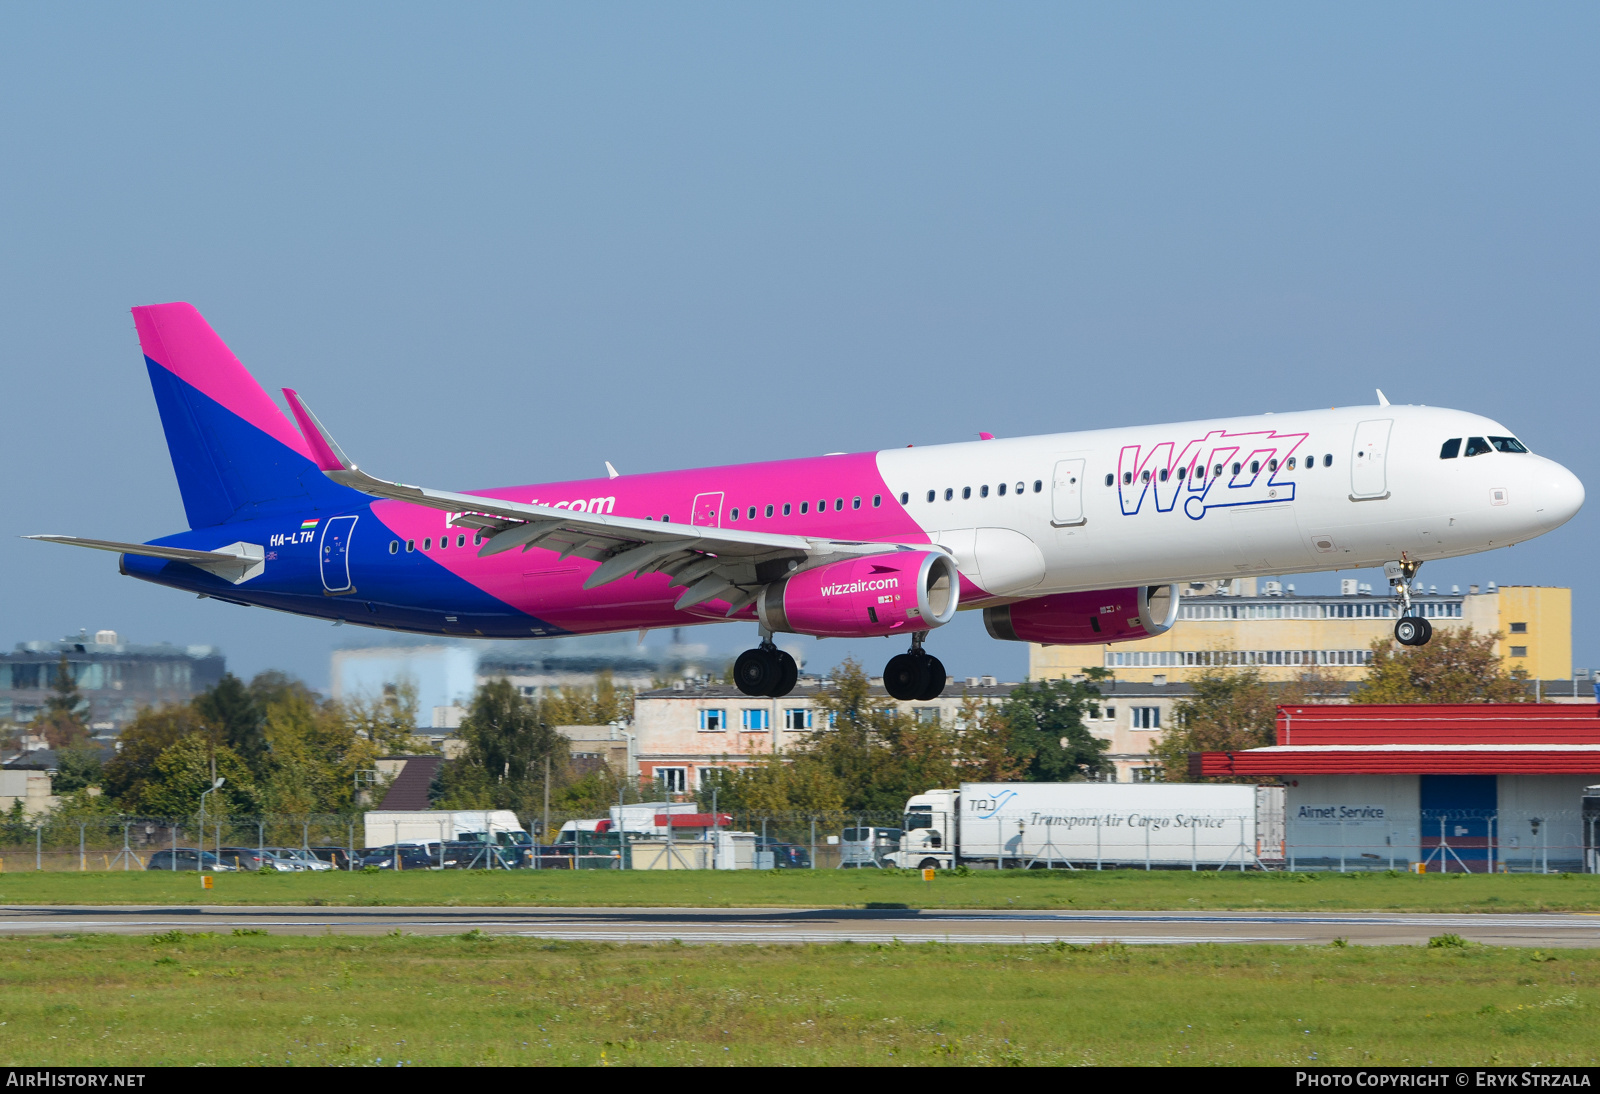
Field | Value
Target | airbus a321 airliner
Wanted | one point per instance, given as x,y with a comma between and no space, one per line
1070,538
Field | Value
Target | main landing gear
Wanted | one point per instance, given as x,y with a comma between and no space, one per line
766,671
915,674
1409,630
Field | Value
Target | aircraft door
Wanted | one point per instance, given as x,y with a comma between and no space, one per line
707,510
1066,499
335,554
1369,476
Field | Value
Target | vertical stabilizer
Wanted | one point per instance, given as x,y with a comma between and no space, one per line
235,453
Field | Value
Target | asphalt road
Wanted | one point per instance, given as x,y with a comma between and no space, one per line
792,925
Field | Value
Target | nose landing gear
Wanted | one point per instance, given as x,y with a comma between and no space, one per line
766,671
915,674
1409,630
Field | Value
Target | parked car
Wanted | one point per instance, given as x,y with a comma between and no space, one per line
252,858
412,857
474,855
301,857
186,858
337,857
787,856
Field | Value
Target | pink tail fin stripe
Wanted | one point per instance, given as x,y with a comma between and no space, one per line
176,337
324,451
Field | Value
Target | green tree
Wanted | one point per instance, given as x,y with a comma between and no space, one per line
184,770
62,722
599,705
1458,665
1049,739
503,764
1229,709
389,721
231,710
315,752
76,769
131,770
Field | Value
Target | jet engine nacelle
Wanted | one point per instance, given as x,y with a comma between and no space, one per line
1082,619
867,597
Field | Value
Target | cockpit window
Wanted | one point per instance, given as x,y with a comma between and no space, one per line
1507,444
1477,446
1451,449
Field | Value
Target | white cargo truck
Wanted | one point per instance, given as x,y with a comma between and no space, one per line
426,826
1093,825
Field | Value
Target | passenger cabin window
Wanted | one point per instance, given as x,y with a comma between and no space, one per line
949,493
768,510
734,513
838,505
1507,444
855,503
1109,481
806,505
966,493
1019,488
785,508
904,497
1237,468
1327,459
1291,463
1255,467
1127,479
394,546
983,491
930,495
1477,446
1162,474
877,500
1451,449
752,513
1038,485
427,543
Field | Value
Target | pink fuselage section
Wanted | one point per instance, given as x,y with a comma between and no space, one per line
838,497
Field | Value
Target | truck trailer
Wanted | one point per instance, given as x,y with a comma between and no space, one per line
389,826
1093,825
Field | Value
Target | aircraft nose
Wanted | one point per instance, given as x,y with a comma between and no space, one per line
1560,495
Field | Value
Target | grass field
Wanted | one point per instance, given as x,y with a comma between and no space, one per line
208,999
1121,889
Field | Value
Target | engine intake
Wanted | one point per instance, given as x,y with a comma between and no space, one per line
867,597
1082,619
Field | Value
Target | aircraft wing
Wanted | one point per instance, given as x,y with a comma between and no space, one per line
237,562
710,563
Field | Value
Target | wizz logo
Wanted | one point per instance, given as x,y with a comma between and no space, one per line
1217,471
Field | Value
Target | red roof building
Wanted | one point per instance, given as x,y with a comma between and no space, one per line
1471,787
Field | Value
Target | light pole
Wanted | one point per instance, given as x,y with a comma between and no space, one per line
200,861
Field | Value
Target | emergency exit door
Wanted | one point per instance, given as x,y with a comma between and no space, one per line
1369,476
1066,494
335,554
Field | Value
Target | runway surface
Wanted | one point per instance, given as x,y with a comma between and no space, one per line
797,925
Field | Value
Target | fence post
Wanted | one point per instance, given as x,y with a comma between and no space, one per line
1147,844
126,854
83,861
813,843
351,865
174,848
38,847
1341,845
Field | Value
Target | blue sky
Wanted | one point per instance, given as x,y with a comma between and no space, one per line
503,243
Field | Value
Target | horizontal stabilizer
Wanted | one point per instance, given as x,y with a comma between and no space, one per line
236,563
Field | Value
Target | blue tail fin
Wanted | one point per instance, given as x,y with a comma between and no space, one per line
235,453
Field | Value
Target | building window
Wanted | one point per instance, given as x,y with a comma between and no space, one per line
1519,628
1146,717
926,715
754,719
797,718
674,780
703,776
1519,651
1111,712
713,721
1140,774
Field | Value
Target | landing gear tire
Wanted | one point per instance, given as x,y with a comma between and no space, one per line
1413,631
765,672
788,676
914,676
906,676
